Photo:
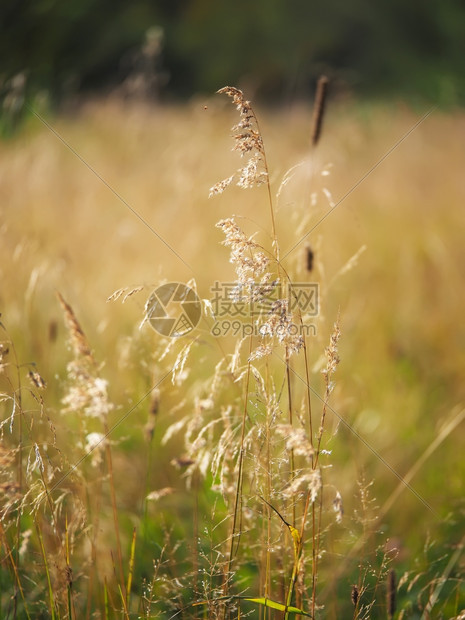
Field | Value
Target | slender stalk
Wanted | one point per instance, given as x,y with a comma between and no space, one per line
131,566
115,514
69,574
316,555
106,605
238,495
289,400
196,489
93,540
17,396
272,217
9,555
47,572
309,399
268,470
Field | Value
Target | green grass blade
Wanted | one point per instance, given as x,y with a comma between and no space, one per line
106,602
47,572
279,606
131,567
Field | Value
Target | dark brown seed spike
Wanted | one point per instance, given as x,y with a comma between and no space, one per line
319,109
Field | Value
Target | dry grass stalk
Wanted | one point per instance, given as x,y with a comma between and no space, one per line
236,441
391,593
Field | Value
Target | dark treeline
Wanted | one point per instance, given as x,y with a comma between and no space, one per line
174,48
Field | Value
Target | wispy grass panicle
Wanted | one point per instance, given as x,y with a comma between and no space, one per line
280,324
247,256
249,143
87,393
332,355
78,340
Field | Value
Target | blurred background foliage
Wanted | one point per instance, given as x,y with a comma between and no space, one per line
174,48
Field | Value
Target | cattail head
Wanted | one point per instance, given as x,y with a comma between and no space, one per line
153,412
354,595
319,109
154,402
309,257
52,330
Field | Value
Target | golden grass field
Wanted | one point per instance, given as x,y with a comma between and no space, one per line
85,208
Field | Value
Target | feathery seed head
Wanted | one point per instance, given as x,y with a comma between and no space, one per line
249,142
331,352
76,335
250,262
338,507
280,324
95,444
296,440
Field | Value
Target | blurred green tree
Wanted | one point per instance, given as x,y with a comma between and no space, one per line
277,47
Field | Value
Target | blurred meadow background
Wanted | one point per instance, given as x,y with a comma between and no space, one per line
130,461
